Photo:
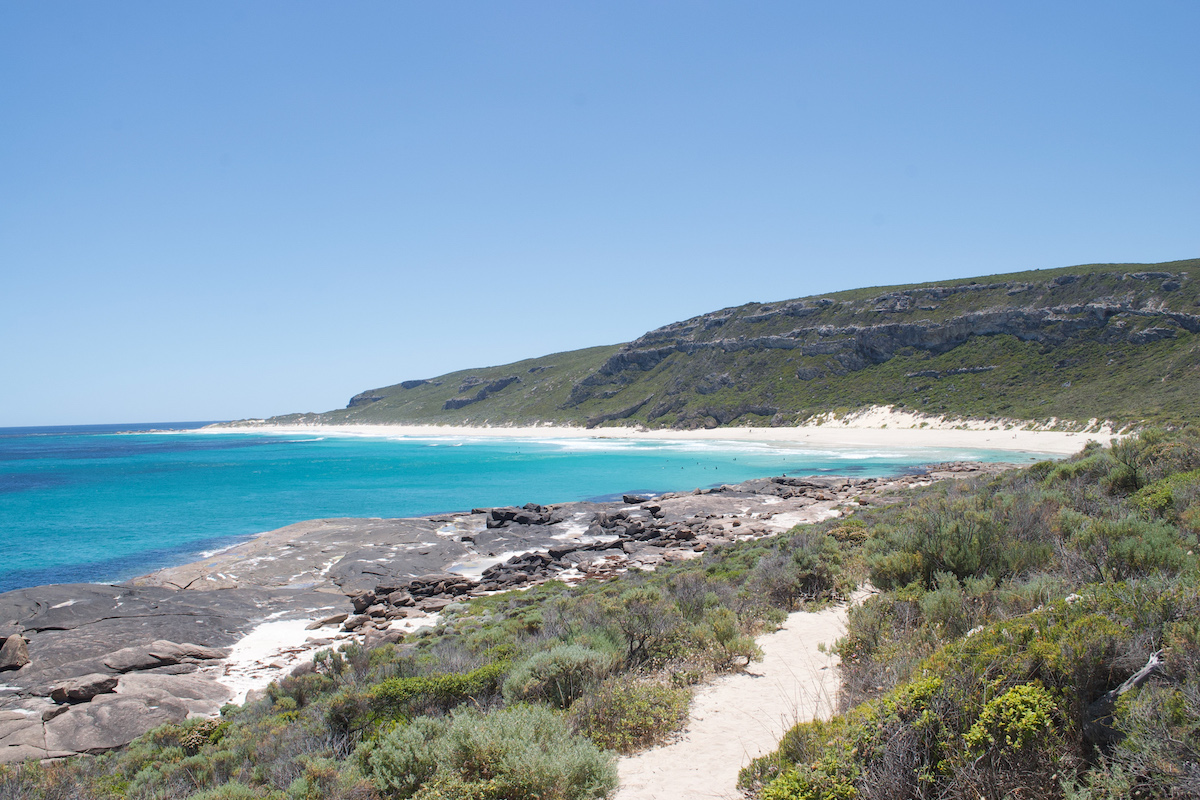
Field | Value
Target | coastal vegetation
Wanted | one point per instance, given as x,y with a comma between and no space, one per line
1052,348
517,694
1032,633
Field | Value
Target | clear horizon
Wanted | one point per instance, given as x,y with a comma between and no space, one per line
236,211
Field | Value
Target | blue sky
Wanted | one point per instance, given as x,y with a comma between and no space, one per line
222,210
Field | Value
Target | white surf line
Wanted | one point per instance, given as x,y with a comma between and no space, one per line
739,717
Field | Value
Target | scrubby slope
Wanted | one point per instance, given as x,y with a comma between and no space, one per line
1110,341
1037,636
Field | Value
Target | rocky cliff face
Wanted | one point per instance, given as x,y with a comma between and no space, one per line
836,335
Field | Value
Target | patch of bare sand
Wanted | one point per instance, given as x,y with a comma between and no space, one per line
740,717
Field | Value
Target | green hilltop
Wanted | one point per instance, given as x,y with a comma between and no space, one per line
1062,346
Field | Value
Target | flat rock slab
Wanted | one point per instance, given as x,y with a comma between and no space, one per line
336,554
112,720
201,696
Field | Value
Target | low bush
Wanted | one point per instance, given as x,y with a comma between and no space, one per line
629,716
557,676
519,752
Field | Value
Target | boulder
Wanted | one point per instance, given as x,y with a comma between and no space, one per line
336,619
128,659
14,654
84,688
160,653
355,622
380,638
170,652
362,601
400,598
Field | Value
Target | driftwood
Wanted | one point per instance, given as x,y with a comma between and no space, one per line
1099,726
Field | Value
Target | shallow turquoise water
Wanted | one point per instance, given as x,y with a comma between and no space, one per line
94,504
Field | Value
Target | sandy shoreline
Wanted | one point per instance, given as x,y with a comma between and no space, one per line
875,428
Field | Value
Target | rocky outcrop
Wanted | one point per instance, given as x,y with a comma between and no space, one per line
364,399
486,390
371,396
624,413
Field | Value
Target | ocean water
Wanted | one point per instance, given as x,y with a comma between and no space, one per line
106,503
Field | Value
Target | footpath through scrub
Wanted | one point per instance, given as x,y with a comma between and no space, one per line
742,716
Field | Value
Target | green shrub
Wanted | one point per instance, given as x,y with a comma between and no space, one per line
519,752
648,624
804,567
406,758
557,676
237,791
1168,497
352,713
821,780
1117,550
945,606
729,646
627,716
1015,719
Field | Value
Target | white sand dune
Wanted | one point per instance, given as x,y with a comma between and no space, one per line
742,716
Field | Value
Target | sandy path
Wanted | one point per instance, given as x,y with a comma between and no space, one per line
739,717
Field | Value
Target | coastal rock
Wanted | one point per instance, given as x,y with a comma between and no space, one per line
14,654
23,737
84,688
336,619
355,622
362,601
8,629
202,697
172,653
159,653
364,399
110,721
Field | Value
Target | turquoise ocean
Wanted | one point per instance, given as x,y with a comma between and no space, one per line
108,502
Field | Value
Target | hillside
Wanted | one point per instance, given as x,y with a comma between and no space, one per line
1107,341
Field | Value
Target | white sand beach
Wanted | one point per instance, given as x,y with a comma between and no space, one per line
879,426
